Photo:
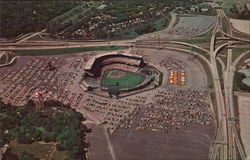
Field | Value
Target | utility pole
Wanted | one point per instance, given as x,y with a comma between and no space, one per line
159,40
127,84
108,39
39,100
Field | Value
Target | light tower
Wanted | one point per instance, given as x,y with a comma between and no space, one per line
39,100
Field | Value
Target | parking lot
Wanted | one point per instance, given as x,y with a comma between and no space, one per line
166,110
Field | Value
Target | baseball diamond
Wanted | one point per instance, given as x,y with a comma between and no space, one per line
124,79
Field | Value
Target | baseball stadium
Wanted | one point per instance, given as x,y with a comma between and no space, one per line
118,72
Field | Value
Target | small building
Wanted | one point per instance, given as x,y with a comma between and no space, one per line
193,9
248,5
3,150
204,10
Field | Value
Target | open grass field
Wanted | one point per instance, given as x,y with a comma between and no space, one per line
44,151
45,52
71,15
241,25
238,51
124,78
229,4
219,3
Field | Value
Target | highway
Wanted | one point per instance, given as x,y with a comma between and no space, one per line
229,137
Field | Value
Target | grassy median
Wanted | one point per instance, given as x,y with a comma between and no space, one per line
45,52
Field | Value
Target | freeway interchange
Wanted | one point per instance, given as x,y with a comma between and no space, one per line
227,142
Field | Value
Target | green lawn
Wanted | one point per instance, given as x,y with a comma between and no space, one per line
129,80
66,50
238,51
196,41
219,3
207,34
229,4
72,15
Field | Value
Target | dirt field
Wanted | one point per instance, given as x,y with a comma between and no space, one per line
244,112
186,143
241,25
99,145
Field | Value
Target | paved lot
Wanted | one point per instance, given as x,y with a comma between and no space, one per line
188,26
196,75
156,124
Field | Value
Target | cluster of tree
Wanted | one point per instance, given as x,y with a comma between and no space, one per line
146,28
240,12
239,78
20,17
27,125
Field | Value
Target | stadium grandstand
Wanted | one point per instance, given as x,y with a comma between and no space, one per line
98,64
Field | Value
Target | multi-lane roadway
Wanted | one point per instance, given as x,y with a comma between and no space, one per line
230,145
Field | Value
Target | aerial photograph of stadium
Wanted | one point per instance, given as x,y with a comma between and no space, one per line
124,79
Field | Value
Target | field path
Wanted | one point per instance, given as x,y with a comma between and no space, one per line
50,158
110,145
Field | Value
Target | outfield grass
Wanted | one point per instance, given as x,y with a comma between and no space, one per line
45,52
129,80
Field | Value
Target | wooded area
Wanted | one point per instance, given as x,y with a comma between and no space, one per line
26,125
